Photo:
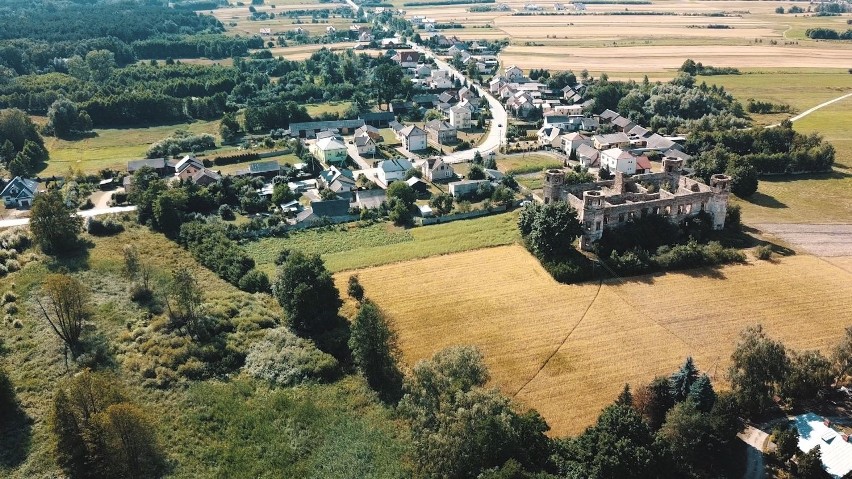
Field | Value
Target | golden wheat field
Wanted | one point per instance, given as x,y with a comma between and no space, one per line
567,350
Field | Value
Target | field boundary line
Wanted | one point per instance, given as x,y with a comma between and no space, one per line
546,361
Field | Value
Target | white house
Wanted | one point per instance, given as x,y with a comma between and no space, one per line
572,141
513,73
435,169
589,156
407,58
616,159
330,150
19,193
460,117
392,170
550,136
440,80
413,138
365,145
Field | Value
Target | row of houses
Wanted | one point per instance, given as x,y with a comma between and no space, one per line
522,95
625,150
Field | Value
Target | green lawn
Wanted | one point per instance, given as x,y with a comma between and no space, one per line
800,88
824,198
382,244
316,109
526,163
113,148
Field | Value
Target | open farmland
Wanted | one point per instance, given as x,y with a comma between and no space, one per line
568,350
236,19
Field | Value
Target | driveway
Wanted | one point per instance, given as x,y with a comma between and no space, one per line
756,440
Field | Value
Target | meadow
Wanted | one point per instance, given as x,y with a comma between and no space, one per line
319,430
567,350
350,247
113,148
519,164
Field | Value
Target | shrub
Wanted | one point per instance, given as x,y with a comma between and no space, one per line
733,218
140,294
12,265
11,308
764,252
9,297
227,213
106,227
286,359
255,281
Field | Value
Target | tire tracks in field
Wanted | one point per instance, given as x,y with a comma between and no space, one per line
565,340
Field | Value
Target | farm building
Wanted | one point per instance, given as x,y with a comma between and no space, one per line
309,129
465,187
606,204
836,451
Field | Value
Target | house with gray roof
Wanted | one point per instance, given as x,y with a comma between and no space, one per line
19,193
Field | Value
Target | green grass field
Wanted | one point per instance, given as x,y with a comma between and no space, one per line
819,198
339,107
527,163
382,244
800,88
113,148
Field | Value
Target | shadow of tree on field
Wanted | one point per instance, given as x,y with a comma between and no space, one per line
764,200
15,437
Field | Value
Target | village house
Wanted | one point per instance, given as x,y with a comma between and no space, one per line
339,180
549,136
330,150
19,192
616,159
205,177
370,131
463,188
606,204
187,167
588,155
435,169
440,80
612,140
370,199
413,138
441,132
460,117
365,145
407,58
162,166
572,141
513,73
392,170
309,129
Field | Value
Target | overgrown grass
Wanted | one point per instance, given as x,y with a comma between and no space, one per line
529,163
239,428
382,244
113,148
316,109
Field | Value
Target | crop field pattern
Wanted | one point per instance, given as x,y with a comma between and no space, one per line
636,39
567,350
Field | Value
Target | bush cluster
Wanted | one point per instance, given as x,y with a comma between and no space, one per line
285,359
210,245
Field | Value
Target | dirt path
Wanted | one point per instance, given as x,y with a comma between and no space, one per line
811,110
756,440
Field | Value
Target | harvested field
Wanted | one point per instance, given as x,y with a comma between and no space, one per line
568,350
657,59
302,52
820,240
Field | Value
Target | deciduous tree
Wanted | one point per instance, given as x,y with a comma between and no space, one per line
65,307
375,351
54,225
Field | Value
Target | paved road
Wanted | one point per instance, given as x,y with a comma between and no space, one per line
811,110
497,126
756,440
85,214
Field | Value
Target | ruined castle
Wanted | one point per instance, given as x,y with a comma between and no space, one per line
606,204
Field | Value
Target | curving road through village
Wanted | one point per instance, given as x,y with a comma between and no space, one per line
499,117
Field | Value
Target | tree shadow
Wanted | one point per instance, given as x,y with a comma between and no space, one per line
764,200
707,272
75,260
15,436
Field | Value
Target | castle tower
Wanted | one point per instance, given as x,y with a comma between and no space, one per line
591,218
672,166
554,180
718,205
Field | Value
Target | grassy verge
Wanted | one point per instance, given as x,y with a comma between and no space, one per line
382,244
